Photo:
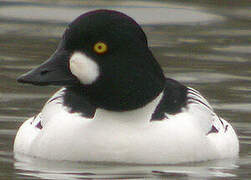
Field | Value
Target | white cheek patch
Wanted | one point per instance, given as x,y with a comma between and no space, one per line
84,68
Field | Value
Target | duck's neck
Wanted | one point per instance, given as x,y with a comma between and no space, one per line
125,95
122,98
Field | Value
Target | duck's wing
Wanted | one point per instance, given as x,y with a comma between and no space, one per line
212,122
178,99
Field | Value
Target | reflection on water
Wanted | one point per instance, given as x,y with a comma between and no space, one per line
203,45
69,170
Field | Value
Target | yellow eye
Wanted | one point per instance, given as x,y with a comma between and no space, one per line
100,47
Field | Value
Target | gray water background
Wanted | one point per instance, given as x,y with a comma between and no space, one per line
203,44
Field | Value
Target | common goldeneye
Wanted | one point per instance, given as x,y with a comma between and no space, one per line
116,105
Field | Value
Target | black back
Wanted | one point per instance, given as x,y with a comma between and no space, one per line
174,98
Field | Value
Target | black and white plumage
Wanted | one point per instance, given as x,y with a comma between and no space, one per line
116,104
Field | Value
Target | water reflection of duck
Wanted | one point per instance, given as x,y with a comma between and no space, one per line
116,105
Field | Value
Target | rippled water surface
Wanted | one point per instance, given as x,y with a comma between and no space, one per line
202,44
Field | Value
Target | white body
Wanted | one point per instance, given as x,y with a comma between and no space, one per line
127,137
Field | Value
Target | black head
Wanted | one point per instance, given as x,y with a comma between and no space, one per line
104,54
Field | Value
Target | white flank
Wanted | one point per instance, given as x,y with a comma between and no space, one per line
84,68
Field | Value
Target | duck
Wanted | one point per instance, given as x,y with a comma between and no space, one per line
115,103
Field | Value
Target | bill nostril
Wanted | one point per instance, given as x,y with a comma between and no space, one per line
43,72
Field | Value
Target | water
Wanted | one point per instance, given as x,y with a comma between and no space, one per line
202,44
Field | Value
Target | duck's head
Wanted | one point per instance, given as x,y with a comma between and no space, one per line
104,53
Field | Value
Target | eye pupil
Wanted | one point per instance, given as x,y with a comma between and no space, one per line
100,47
